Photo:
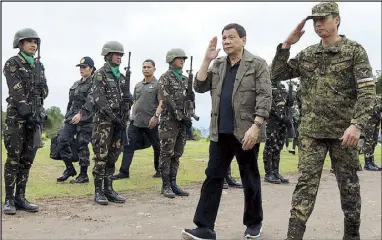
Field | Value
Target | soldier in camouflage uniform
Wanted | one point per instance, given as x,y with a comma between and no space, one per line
295,120
371,132
78,121
111,114
276,132
337,95
173,122
20,121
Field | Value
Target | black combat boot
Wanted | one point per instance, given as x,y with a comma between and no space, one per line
121,175
166,187
70,171
175,188
231,181
20,202
82,177
373,163
111,195
99,196
156,175
9,204
369,164
23,204
276,168
269,176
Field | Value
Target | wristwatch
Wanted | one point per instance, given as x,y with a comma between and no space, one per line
258,124
358,126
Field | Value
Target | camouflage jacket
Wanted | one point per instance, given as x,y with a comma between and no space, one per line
20,76
337,86
173,93
251,96
80,100
108,95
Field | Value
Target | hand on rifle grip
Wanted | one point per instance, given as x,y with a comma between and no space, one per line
121,124
191,97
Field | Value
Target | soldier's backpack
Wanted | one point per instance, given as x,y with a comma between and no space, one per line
54,149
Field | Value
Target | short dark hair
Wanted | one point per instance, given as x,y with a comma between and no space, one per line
150,61
239,29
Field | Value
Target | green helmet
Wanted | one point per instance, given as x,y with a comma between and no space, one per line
112,47
174,53
25,34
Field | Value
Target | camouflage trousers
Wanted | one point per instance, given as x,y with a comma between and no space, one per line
371,132
106,143
312,153
172,135
18,141
276,134
83,135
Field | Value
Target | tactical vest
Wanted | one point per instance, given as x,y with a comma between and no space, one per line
114,91
27,76
78,96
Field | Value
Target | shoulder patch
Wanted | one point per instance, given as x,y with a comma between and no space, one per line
12,68
99,77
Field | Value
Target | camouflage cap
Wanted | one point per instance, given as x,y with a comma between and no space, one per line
324,9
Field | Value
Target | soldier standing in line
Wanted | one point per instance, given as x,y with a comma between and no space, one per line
337,95
295,120
22,123
111,114
371,132
173,122
144,120
276,131
229,181
78,122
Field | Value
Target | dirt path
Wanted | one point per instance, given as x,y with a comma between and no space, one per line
147,215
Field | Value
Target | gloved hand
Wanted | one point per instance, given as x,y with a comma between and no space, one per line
25,111
32,121
42,84
285,120
121,124
186,122
128,97
192,97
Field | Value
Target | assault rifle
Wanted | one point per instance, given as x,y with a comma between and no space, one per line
126,104
38,114
189,108
126,92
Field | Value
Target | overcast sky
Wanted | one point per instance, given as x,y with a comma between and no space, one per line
72,30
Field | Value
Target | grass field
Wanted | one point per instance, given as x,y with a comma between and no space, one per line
44,172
